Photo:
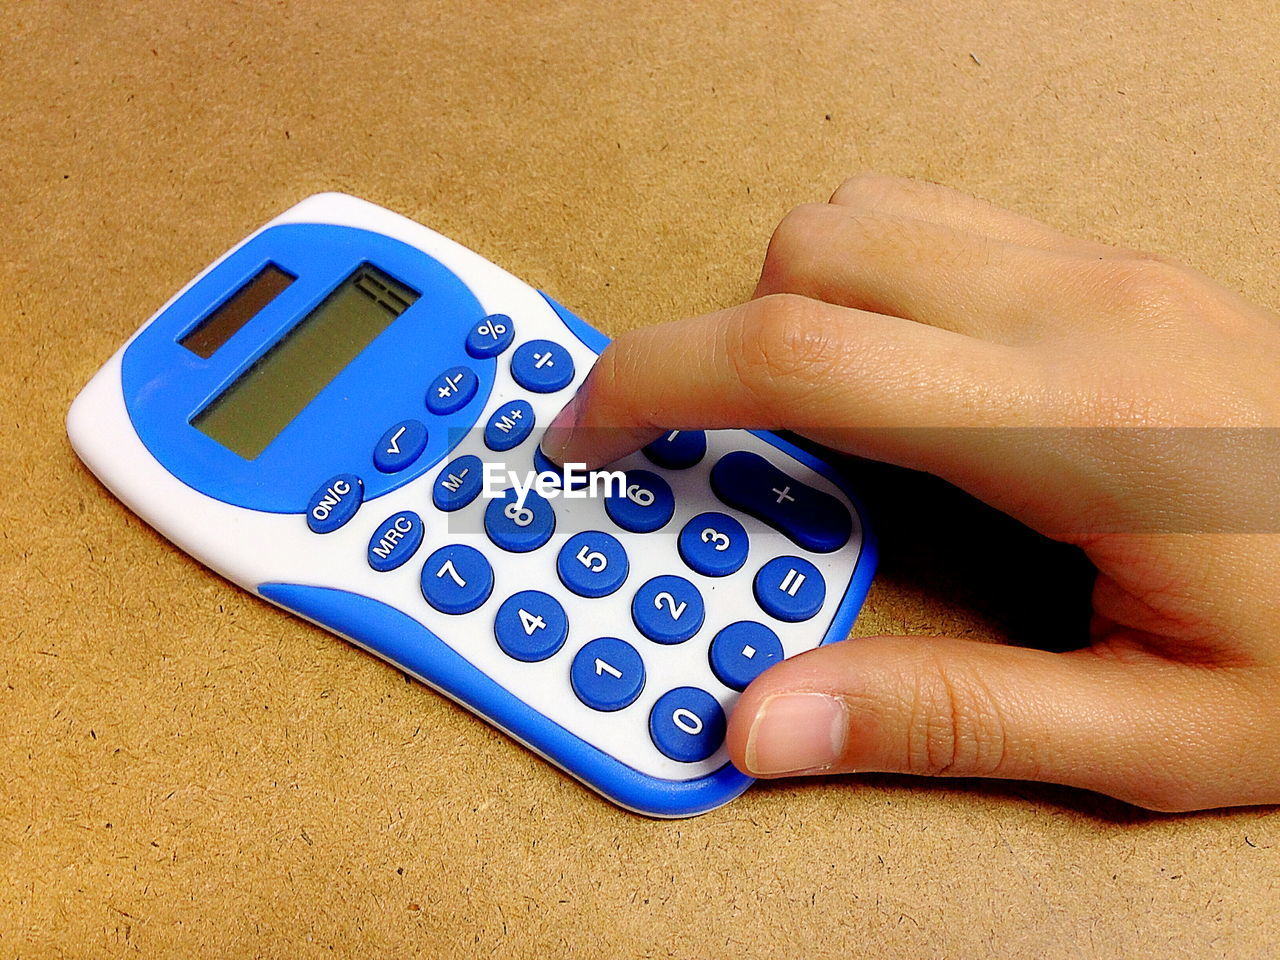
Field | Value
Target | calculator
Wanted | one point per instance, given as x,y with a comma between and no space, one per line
342,414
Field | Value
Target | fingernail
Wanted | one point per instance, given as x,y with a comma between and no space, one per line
555,440
796,733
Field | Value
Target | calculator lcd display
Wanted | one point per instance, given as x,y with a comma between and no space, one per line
263,400
237,310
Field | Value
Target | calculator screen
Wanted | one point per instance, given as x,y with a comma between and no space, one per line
261,402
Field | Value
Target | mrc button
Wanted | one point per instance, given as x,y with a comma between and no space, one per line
810,518
334,503
395,541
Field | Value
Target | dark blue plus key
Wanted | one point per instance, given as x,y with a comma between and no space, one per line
456,579
519,527
509,425
678,449
687,724
400,446
542,366
742,651
490,336
592,564
810,518
334,503
790,589
668,609
395,541
607,674
646,506
713,544
452,390
530,626
458,484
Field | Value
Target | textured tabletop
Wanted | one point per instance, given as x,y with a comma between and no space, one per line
189,772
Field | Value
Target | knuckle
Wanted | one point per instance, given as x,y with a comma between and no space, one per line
955,727
1149,286
778,346
797,235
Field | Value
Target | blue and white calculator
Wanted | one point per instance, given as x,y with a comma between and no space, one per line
342,415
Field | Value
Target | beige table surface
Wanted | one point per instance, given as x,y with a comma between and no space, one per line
190,772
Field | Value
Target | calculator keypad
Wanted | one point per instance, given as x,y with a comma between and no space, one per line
639,606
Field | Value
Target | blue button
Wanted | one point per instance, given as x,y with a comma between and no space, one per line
456,579
518,528
400,446
544,466
592,564
790,589
509,425
668,609
395,541
530,626
607,674
490,336
687,724
647,506
452,390
458,484
713,544
542,366
334,503
678,449
742,651
810,518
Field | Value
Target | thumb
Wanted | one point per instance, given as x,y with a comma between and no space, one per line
1151,732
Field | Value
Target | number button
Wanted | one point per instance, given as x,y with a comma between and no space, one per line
490,336
646,506
509,425
400,446
668,609
607,674
335,503
530,626
713,544
592,564
742,651
542,366
687,724
395,541
458,484
452,390
519,528
456,579
678,449
790,589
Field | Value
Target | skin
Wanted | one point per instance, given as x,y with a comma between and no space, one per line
913,324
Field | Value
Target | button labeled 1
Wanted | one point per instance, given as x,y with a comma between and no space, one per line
607,674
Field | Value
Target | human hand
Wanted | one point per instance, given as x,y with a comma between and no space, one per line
1104,397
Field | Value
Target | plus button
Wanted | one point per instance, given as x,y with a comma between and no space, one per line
783,494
